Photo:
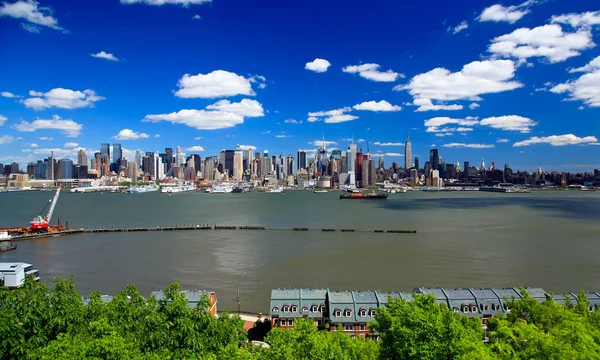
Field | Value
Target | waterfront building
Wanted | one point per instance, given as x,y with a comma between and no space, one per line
194,298
238,164
288,305
66,168
434,159
408,153
303,179
12,275
82,158
17,181
31,170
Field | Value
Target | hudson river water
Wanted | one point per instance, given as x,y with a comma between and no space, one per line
464,239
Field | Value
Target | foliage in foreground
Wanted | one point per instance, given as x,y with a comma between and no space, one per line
37,322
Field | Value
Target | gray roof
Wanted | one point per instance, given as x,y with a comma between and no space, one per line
508,293
560,298
481,294
193,296
437,292
309,298
104,298
537,293
593,297
459,294
382,297
344,302
286,303
316,294
365,302
285,294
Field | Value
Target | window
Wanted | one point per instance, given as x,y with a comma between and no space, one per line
455,309
337,312
275,309
276,321
319,322
348,327
362,327
465,309
347,312
304,309
323,308
591,307
314,308
285,308
473,308
372,312
362,312
290,322
294,308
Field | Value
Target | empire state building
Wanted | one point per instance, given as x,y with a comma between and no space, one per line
407,153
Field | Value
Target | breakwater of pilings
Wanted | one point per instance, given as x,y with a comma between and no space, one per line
211,227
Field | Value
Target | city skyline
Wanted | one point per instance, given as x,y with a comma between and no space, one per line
481,80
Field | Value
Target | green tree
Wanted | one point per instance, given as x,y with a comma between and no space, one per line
422,329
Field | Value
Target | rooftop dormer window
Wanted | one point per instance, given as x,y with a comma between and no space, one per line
275,309
465,309
304,309
337,313
473,308
347,312
294,308
285,308
362,312
323,309
372,312
455,309
314,308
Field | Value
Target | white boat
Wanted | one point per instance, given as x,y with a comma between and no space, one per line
275,190
171,189
221,189
142,188
4,235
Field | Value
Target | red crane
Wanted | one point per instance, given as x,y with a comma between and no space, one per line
40,223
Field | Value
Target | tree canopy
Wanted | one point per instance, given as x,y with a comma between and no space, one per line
41,322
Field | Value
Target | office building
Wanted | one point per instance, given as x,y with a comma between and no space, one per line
179,157
358,165
301,160
31,170
66,168
104,150
117,155
238,164
138,159
417,163
434,159
351,156
266,165
82,158
381,163
408,153
169,157
369,173
290,165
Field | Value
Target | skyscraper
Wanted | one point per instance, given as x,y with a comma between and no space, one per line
266,164
138,159
116,157
417,163
82,158
238,164
290,165
301,160
351,157
434,159
66,168
381,163
407,153
180,157
169,153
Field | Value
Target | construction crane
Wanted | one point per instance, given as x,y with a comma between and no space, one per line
40,223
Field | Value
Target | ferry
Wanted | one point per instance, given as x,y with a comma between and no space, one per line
363,196
142,188
171,189
221,189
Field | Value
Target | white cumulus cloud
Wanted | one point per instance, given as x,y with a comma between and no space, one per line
586,19
68,145
104,55
128,134
509,14
332,116
393,154
67,126
371,72
460,27
475,79
428,105
318,65
321,143
377,106
196,148
246,107
473,106
473,146
388,143
33,145
3,120
509,123
292,121
247,147
502,140
61,98
7,94
586,88
29,10
438,124
6,139
218,83
198,119
558,140
197,17
546,41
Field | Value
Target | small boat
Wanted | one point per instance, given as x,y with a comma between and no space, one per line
363,196
320,191
169,189
221,189
275,190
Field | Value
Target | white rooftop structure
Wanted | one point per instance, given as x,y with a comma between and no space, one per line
12,274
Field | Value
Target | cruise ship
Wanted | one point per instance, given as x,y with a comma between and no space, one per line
172,188
142,188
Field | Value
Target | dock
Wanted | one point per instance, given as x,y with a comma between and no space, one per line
208,227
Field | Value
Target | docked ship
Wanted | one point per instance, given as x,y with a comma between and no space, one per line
363,196
142,188
171,189
221,189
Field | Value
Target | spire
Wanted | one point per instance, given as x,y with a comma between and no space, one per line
407,137
323,143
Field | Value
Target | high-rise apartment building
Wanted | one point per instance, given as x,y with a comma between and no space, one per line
407,153
66,168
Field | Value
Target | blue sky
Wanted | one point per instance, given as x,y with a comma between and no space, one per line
511,82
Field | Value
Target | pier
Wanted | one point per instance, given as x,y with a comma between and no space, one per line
208,227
